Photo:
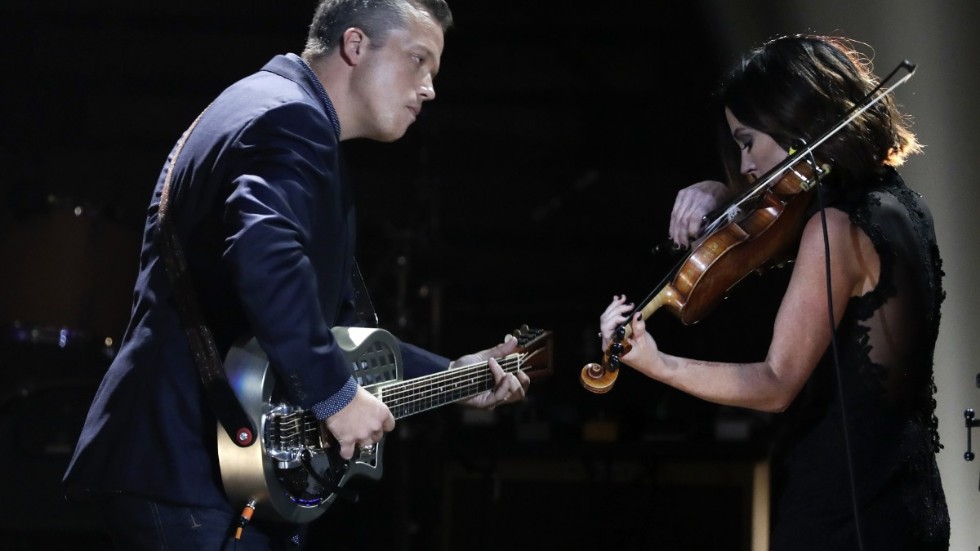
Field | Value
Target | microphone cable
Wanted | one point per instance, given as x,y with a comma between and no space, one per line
836,357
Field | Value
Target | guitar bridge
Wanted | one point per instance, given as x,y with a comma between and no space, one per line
289,432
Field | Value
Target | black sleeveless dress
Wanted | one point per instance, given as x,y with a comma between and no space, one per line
882,469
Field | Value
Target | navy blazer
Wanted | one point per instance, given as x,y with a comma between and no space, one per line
266,219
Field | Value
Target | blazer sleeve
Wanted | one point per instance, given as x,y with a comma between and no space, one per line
418,361
286,183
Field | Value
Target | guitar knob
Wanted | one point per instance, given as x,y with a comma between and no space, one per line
244,437
368,449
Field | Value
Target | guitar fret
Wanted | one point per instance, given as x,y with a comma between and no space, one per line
422,397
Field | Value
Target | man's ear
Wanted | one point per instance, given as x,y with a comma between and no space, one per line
352,44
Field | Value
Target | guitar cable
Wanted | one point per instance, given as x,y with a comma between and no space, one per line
244,519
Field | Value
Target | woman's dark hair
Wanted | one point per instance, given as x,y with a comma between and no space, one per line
375,17
797,87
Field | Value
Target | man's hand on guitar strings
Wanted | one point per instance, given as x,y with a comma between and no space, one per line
507,387
361,423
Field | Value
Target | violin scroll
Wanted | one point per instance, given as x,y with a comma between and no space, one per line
600,378
597,379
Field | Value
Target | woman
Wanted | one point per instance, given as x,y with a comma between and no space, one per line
854,464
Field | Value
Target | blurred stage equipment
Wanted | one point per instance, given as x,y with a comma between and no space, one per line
970,422
67,265
65,288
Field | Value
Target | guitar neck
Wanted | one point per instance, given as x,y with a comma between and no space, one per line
420,394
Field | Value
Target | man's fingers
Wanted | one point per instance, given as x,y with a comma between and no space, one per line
347,449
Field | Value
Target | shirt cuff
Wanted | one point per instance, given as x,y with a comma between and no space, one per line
337,402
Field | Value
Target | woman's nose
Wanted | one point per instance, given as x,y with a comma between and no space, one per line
747,165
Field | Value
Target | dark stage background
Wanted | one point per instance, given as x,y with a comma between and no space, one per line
531,191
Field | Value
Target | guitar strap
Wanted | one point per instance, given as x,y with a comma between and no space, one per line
362,300
226,406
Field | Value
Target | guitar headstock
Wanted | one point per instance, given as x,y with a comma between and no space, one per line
536,346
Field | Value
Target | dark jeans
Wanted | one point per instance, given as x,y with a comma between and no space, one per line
137,523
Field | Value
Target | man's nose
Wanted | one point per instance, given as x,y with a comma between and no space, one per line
428,89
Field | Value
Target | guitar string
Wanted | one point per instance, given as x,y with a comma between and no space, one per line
454,382
467,372
476,373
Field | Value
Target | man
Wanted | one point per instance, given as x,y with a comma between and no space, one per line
263,214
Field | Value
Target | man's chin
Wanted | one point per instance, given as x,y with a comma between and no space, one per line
391,136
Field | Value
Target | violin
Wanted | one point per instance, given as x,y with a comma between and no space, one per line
757,230
732,246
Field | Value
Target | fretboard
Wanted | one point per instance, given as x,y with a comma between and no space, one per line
431,391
